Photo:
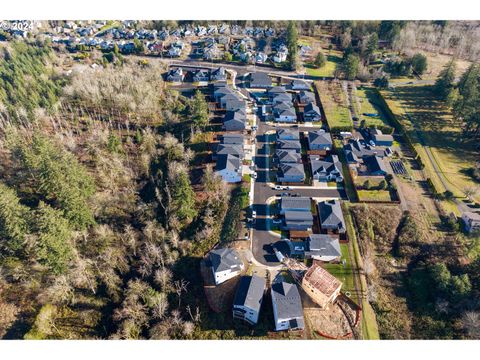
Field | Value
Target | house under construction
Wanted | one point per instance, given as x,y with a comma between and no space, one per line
322,287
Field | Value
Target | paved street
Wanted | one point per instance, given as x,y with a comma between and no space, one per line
262,238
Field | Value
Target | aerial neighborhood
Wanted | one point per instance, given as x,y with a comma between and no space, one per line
240,179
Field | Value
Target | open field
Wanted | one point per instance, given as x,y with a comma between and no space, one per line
437,61
344,273
335,105
430,123
328,70
368,103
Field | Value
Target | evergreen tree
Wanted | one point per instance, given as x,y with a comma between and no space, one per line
292,38
199,110
183,198
350,66
54,247
419,63
13,221
320,60
444,83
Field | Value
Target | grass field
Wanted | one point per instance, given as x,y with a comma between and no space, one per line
368,103
328,69
335,105
343,273
430,123
374,195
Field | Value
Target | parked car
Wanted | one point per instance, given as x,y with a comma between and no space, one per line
254,214
371,143
285,194
254,175
287,188
277,221
277,187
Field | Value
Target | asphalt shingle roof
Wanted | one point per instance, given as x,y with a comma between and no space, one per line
250,292
288,301
331,214
225,259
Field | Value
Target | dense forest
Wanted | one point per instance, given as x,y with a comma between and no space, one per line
98,219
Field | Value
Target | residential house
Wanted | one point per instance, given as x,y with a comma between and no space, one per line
230,149
234,121
284,112
375,165
329,169
306,97
319,140
229,167
260,80
287,156
248,298
175,75
331,216
288,134
237,139
288,203
289,145
281,98
287,307
219,74
471,221
291,173
311,112
300,85
321,286
261,58
323,247
275,90
201,75
381,139
225,264
280,56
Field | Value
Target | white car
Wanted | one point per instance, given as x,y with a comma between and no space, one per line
287,188
371,143
278,187
254,175
254,214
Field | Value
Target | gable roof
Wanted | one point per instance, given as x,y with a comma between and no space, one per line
289,144
320,137
323,245
288,155
311,108
374,164
330,164
273,91
306,96
232,149
228,162
232,139
288,134
291,169
330,214
250,292
225,259
288,301
260,79
288,202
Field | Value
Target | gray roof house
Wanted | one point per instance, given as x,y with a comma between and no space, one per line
201,75
218,74
319,140
248,298
224,98
291,173
260,80
381,139
375,165
225,264
235,104
300,85
275,90
329,169
289,144
298,220
282,97
323,247
229,167
311,112
288,203
234,121
175,75
305,97
331,216
471,221
237,139
287,307
230,149
287,156
220,91
288,134
284,112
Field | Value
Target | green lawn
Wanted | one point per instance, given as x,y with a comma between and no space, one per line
348,182
374,195
368,103
327,70
343,273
